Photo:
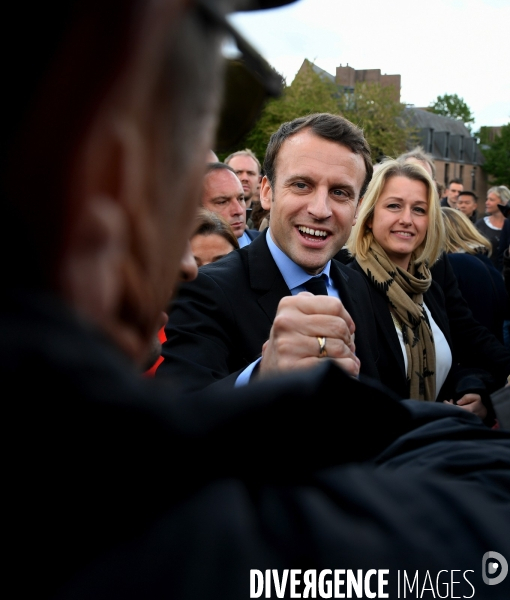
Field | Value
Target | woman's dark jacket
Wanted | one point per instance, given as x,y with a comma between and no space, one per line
480,363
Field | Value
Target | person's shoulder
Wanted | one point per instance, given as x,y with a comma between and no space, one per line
343,256
225,271
252,233
469,265
351,272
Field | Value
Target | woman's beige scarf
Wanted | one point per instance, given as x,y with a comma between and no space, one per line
404,291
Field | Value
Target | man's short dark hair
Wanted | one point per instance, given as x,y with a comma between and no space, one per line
327,126
468,193
455,180
210,167
218,166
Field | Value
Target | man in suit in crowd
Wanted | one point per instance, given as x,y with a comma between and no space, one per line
115,485
247,167
223,194
467,204
246,316
452,192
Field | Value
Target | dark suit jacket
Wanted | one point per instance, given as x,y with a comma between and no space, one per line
252,233
475,273
474,349
219,322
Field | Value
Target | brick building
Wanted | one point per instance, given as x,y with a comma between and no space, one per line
455,151
347,77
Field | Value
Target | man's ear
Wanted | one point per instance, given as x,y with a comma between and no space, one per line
266,194
98,243
90,272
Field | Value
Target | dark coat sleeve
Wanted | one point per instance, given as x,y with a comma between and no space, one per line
214,331
473,346
504,242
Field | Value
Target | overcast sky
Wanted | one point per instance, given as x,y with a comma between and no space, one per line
438,46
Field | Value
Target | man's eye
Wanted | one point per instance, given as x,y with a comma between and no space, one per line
340,193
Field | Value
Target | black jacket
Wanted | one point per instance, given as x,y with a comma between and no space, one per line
115,486
219,322
474,348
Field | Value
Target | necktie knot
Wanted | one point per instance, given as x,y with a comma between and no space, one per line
317,285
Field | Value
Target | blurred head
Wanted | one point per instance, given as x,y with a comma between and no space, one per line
419,156
247,167
400,211
111,112
223,194
312,186
212,238
212,157
461,235
467,203
452,192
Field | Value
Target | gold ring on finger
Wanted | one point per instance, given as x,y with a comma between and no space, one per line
322,347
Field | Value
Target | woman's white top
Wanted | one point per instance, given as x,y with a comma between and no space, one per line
443,352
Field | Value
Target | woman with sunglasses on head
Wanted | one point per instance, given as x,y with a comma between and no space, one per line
429,346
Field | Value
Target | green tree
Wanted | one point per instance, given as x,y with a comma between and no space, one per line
497,157
373,107
308,93
450,105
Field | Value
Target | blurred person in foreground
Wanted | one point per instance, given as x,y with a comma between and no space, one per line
117,486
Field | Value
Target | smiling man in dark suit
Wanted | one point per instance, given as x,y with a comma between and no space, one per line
247,315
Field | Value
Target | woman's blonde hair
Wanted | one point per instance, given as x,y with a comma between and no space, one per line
462,235
361,237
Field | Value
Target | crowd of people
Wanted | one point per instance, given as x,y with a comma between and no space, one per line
310,417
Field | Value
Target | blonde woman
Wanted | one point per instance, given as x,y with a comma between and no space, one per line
468,252
428,342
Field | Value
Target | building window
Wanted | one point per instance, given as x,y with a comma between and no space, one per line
446,174
461,173
430,145
473,179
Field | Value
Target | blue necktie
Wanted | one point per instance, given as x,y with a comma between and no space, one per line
317,285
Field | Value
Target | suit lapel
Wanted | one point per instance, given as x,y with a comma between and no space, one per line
265,277
384,322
